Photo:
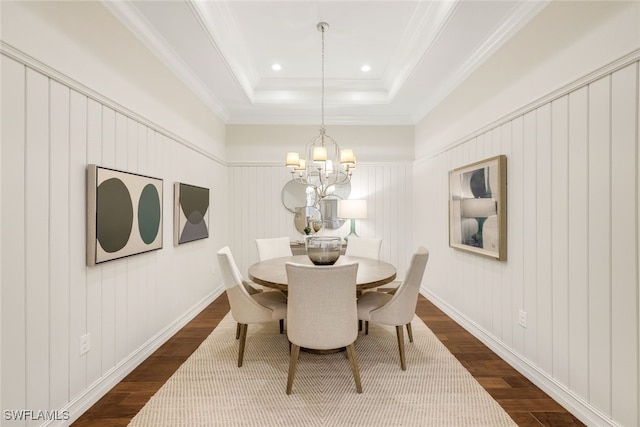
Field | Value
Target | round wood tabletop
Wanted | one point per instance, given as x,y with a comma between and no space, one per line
371,272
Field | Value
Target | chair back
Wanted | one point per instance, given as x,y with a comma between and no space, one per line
321,309
363,247
244,309
402,306
275,247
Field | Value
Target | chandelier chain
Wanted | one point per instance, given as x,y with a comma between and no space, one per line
322,30
324,166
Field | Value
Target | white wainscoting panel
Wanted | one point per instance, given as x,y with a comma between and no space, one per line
573,245
13,274
256,210
51,130
624,208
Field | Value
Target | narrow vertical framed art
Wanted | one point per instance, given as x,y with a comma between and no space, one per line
478,208
191,213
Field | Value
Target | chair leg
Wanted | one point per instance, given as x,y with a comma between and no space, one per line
281,325
351,353
409,332
243,339
293,364
237,330
400,334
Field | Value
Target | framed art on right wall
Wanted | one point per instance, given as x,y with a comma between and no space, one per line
478,208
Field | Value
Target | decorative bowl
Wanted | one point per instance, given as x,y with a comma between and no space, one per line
323,250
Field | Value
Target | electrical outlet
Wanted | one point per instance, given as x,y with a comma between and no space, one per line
522,318
85,343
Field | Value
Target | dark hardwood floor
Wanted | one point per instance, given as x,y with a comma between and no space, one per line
521,399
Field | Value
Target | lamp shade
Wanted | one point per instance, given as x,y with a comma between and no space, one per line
478,208
302,165
355,209
293,159
346,156
320,154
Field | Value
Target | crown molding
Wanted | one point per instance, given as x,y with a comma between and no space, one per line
598,74
133,20
289,118
221,29
424,29
524,12
240,89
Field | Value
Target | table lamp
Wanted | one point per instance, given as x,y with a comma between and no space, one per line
352,209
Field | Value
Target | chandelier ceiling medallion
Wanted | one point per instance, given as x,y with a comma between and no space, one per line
324,165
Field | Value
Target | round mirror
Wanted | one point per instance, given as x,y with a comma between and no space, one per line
296,196
308,217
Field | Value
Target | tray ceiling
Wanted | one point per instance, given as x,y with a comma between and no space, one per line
417,51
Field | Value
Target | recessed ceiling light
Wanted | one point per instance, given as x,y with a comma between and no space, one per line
366,68
276,67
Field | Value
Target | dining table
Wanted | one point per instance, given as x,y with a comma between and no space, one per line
272,273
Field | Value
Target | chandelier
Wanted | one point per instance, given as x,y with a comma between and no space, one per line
324,165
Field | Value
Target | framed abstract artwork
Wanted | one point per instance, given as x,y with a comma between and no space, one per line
478,208
191,213
124,214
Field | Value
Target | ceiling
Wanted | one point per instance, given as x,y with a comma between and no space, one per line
418,52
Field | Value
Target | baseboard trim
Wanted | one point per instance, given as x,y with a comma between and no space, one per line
79,405
573,403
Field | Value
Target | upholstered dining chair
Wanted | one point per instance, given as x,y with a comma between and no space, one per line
246,308
275,247
363,247
321,313
247,285
396,309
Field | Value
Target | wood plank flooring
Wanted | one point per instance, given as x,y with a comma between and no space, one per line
521,399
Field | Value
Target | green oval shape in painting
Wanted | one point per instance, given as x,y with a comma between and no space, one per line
114,215
149,213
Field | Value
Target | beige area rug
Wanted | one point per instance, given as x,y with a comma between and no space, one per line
210,390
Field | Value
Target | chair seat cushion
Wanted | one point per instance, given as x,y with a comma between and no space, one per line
390,289
250,288
371,301
276,301
275,296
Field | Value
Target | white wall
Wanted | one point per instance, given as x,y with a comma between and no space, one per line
81,89
257,210
257,175
564,42
83,40
69,99
573,206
